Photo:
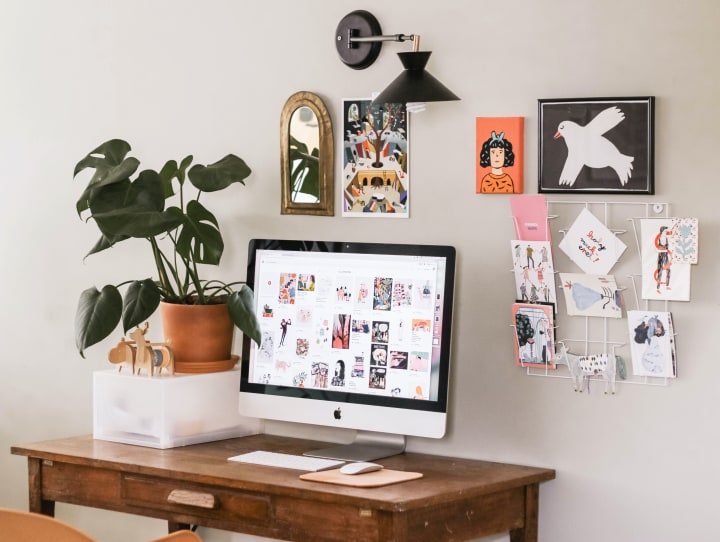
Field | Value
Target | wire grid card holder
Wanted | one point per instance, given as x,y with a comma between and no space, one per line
593,339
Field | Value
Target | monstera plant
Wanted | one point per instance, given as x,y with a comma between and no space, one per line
163,209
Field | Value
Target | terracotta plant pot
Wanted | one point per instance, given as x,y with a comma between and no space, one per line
200,337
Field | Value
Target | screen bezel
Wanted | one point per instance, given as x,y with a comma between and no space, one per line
341,397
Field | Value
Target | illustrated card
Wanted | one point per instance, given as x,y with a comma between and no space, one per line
662,277
534,335
591,245
375,177
591,295
534,271
652,343
684,242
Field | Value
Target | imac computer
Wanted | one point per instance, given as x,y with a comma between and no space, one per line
354,335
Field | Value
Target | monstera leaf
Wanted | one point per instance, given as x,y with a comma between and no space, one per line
305,169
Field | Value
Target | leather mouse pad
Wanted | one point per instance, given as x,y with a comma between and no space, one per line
376,478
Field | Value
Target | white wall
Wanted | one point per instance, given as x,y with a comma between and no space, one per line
177,77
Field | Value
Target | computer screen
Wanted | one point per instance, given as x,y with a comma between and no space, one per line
354,335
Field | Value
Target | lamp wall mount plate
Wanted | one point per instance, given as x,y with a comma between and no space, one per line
358,24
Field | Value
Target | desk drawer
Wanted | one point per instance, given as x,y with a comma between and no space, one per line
180,498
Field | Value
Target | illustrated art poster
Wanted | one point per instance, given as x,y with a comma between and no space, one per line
534,271
375,176
591,295
499,150
530,216
652,343
591,245
534,336
684,242
596,145
662,277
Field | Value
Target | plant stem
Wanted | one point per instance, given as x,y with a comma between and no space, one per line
162,272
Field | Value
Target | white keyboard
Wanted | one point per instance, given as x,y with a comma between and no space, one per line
287,461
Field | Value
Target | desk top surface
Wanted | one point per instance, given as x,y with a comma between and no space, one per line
443,478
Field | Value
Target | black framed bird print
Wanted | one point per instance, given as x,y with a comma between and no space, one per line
596,145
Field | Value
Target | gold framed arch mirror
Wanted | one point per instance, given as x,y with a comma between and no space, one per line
306,156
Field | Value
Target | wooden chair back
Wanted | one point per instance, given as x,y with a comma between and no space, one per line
179,536
22,526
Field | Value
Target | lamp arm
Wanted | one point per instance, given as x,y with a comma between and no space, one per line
388,37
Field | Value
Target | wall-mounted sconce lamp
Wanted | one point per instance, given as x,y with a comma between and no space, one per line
359,40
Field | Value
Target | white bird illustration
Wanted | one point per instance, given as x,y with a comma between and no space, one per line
588,147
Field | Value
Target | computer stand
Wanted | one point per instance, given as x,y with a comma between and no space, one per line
367,446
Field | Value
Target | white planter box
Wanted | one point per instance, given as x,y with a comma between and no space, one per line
168,411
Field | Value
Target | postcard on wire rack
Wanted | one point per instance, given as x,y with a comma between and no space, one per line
591,245
591,295
684,241
662,277
534,335
652,343
530,215
534,272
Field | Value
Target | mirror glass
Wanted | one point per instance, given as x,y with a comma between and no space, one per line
304,156
306,151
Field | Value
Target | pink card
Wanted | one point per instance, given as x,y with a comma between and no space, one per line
530,217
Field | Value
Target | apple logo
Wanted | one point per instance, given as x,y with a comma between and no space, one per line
337,413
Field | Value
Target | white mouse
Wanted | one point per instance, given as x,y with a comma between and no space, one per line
359,468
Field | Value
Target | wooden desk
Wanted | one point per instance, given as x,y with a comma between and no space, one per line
457,499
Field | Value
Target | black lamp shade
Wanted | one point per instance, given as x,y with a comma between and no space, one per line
414,84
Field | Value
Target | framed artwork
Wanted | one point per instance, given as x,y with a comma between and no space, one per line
596,145
534,335
499,155
375,176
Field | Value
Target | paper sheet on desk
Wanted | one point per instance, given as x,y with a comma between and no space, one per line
377,478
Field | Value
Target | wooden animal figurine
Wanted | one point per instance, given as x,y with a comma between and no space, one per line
142,354
123,353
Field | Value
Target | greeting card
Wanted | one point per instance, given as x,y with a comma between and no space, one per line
662,277
591,295
534,272
652,343
534,337
591,245
684,242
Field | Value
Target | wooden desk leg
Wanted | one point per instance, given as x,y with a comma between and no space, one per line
36,502
529,533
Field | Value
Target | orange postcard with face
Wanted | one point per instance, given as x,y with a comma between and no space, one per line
499,150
